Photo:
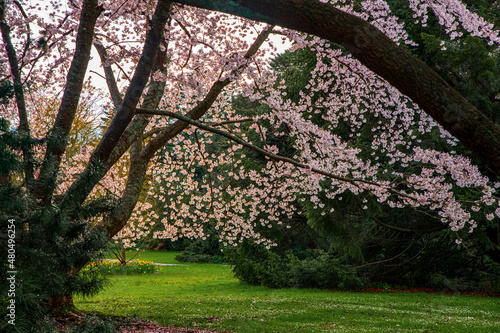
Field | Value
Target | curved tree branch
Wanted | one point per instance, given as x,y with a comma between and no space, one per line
375,50
272,156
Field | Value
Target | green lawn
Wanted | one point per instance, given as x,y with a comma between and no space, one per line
208,296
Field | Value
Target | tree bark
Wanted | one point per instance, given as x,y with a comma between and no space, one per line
381,55
61,304
121,213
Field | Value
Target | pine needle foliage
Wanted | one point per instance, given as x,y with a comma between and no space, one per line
50,250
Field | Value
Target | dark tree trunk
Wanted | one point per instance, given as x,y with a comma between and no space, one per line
123,255
61,304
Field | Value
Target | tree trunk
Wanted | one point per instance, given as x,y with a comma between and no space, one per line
61,304
123,256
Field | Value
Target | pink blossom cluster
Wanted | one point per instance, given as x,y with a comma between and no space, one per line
454,15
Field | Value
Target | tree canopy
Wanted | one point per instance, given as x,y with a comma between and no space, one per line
365,117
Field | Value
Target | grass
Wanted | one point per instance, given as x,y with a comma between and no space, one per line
208,296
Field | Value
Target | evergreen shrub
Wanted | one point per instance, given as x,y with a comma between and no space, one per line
254,264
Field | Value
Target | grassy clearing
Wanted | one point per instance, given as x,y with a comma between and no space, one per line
208,296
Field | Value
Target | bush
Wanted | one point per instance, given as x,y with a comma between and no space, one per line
255,265
202,251
322,272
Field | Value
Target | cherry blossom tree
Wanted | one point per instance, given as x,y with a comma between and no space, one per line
172,71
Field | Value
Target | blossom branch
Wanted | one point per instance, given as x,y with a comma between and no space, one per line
28,37
272,156
183,27
203,106
43,52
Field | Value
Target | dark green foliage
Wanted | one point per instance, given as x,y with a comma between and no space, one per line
321,270
430,260
471,68
255,265
200,258
469,64
296,69
6,91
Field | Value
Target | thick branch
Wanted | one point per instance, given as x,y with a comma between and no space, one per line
58,138
14,68
137,170
122,212
134,92
376,51
97,167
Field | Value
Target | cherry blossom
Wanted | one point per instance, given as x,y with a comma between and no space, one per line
194,177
